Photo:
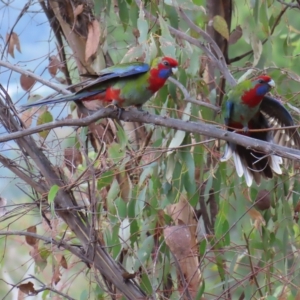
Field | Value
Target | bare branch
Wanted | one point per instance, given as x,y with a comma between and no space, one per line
188,98
133,115
34,76
290,5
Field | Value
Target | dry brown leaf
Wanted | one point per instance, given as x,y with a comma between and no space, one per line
3,203
63,262
178,239
235,35
78,10
263,200
184,212
26,117
56,275
13,41
31,241
27,82
21,295
35,253
257,218
72,158
53,66
298,295
136,33
27,288
92,39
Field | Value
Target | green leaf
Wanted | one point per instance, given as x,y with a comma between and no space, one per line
105,179
84,295
45,294
257,48
115,152
167,42
146,284
194,62
185,4
202,247
143,27
200,291
180,135
121,206
123,13
122,136
144,251
220,25
52,193
44,118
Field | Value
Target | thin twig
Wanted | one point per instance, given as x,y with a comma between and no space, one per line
23,11
290,5
17,69
188,98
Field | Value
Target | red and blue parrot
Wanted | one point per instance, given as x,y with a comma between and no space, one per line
122,85
247,108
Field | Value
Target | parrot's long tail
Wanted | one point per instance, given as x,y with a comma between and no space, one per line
65,98
252,164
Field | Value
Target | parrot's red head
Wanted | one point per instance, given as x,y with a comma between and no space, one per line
261,86
166,66
161,69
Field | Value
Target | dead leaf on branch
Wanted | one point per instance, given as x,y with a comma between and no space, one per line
72,158
3,203
27,82
235,35
27,288
93,39
78,10
13,42
30,240
179,240
56,275
61,261
26,117
54,65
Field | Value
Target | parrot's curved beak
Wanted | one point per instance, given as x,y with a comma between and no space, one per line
174,70
271,83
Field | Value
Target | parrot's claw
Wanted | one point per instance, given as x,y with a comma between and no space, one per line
140,108
120,110
245,129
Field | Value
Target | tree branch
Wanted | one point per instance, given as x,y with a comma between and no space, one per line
133,115
188,98
34,76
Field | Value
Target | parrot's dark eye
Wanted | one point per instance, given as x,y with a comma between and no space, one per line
166,63
261,81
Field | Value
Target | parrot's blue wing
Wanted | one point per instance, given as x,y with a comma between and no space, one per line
227,111
117,71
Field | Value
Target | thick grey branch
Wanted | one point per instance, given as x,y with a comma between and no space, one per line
134,115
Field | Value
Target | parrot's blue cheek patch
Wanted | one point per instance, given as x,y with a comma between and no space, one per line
262,89
165,73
